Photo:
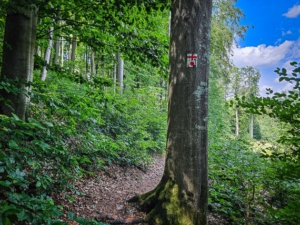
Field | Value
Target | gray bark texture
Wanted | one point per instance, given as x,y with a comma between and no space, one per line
74,45
62,51
56,52
120,71
186,161
47,54
18,60
93,68
182,195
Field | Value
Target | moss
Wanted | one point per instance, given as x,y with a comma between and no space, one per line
166,206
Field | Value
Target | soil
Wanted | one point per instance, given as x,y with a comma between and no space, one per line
104,195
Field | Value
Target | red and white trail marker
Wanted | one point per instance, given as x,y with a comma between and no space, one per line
191,60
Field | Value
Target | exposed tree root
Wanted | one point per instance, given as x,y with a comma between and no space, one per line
165,205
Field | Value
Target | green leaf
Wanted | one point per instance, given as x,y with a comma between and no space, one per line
38,184
7,221
71,215
27,150
282,78
15,116
12,144
49,124
284,71
5,183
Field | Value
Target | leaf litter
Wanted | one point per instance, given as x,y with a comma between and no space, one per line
104,195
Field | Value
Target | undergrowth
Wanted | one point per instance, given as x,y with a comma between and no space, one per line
74,127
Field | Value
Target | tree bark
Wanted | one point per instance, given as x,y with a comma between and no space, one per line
62,51
47,54
115,76
182,194
72,53
120,71
18,60
93,69
237,127
56,52
74,45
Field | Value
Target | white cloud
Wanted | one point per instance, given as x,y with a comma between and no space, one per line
293,12
261,55
295,51
285,33
287,87
288,67
278,41
267,59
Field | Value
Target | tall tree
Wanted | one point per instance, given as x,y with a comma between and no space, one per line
47,55
251,78
181,195
18,51
120,71
236,87
243,81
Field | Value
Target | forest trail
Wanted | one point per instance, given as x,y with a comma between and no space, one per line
104,195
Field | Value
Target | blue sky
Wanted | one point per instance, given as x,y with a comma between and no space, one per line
274,40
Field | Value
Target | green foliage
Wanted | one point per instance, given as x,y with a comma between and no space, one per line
26,178
279,171
75,126
138,30
246,188
235,172
78,122
285,108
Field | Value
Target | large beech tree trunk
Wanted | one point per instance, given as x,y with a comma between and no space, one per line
181,196
17,62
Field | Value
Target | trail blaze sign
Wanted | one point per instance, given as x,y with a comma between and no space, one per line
191,60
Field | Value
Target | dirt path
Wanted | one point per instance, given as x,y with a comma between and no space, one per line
105,194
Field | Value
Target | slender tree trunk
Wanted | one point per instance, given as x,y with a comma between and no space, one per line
181,197
120,71
237,128
251,121
62,48
87,69
37,50
56,52
74,45
18,60
56,44
93,70
115,76
72,53
47,54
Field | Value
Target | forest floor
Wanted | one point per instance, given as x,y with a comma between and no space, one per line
105,194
